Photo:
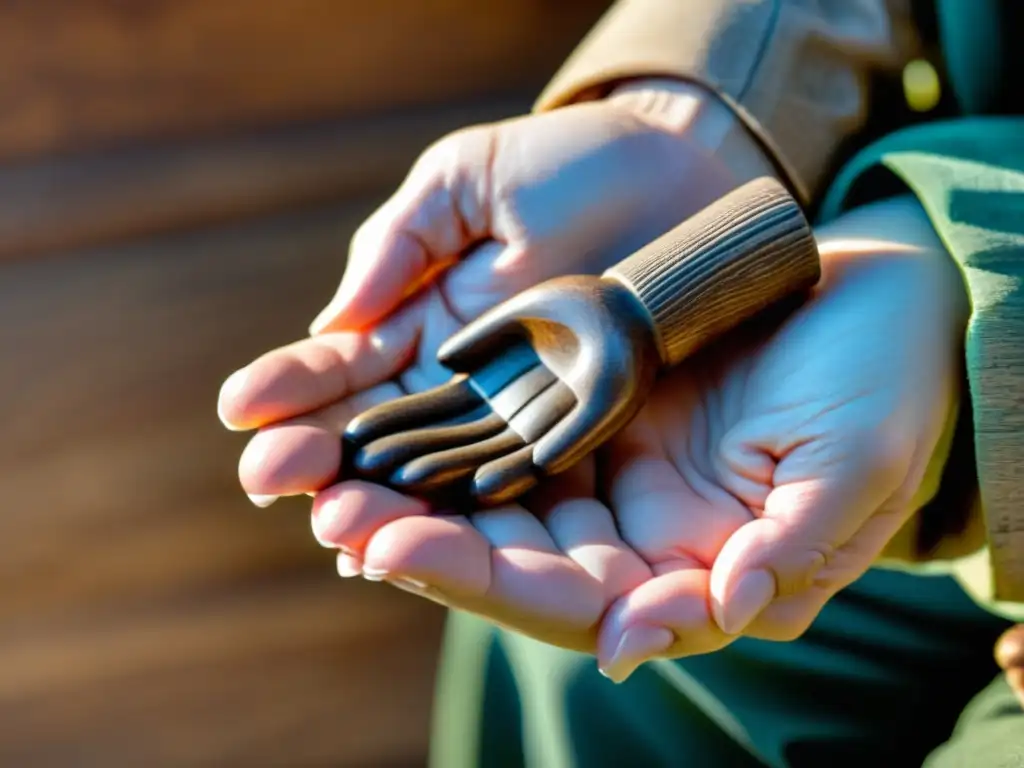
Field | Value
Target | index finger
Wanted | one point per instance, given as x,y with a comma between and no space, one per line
315,372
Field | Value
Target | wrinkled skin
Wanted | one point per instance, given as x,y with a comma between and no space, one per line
489,211
755,483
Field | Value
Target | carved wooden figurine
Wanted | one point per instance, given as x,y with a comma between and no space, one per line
546,377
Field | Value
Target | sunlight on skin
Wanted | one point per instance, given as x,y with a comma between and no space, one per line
847,434
869,248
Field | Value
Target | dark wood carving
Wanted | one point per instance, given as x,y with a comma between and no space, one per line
549,375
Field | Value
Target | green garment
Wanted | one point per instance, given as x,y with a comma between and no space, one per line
879,680
895,661
969,176
897,670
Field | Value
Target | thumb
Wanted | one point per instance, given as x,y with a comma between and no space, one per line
664,617
824,522
1010,657
438,212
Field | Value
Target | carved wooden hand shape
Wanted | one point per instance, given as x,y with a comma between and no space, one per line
546,377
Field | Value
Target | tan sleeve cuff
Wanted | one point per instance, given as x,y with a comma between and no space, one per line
796,75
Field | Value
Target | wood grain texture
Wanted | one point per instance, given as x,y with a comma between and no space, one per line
594,346
719,268
83,73
72,202
150,615
565,364
193,169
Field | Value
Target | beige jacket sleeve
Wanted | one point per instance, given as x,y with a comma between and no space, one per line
795,71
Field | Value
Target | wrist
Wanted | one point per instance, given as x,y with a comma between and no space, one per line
694,114
673,105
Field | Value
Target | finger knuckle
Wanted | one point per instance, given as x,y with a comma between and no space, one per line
442,152
797,570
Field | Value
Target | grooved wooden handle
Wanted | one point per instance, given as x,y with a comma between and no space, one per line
719,268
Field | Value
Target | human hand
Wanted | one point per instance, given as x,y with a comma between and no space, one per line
549,375
484,214
541,381
500,207
757,481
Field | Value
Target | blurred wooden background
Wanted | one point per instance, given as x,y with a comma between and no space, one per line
178,182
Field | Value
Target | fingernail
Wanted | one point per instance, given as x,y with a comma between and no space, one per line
229,389
324,521
754,591
348,567
327,544
639,643
412,585
262,501
340,549
320,321
328,313
374,574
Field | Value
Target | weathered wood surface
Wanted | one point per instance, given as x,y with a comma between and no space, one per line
149,615
84,73
178,183
60,203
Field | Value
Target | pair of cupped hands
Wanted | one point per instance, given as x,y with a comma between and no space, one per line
759,478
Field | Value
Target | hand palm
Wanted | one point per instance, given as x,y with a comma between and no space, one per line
485,213
502,207
799,453
770,476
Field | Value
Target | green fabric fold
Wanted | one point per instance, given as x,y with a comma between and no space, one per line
969,176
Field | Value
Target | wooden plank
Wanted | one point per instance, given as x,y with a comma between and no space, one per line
301,675
81,73
149,615
104,197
